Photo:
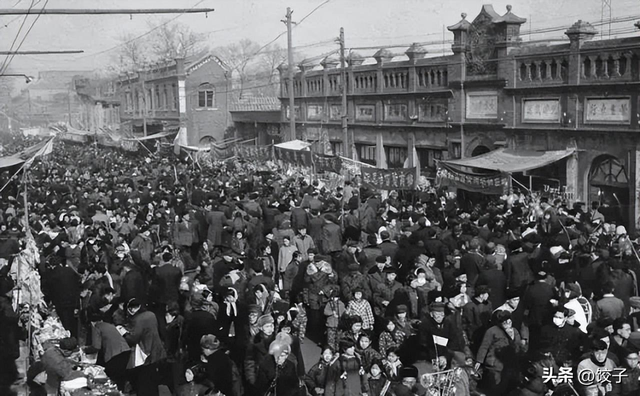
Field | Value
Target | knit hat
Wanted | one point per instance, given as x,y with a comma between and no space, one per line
209,341
264,320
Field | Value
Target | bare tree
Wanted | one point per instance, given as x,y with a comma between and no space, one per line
239,57
132,54
166,41
270,59
171,40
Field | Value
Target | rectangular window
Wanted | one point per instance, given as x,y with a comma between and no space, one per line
164,98
366,154
396,156
456,149
174,96
337,148
395,112
205,98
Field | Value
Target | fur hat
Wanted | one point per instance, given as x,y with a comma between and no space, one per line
264,320
277,348
209,341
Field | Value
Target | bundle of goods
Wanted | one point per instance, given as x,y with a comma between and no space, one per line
50,330
26,276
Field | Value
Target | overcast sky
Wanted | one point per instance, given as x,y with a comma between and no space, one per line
366,23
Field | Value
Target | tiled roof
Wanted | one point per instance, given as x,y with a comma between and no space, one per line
256,104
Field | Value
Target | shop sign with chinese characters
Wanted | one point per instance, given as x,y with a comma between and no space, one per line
486,184
390,179
541,110
607,110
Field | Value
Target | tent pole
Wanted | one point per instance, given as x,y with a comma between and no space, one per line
520,184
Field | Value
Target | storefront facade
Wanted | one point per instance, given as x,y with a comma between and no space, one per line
493,91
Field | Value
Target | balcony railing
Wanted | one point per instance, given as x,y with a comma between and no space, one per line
395,80
428,78
365,82
606,67
545,71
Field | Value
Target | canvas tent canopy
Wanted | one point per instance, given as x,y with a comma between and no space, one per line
512,161
25,155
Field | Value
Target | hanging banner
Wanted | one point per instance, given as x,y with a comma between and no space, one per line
390,179
256,153
221,153
296,157
486,184
129,145
327,163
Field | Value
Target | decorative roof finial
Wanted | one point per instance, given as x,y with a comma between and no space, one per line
464,15
509,7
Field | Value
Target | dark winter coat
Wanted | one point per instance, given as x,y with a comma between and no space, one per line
199,323
286,378
143,332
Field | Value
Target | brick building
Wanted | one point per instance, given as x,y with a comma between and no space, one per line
494,91
193,93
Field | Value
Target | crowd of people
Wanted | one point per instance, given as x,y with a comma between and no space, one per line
209,280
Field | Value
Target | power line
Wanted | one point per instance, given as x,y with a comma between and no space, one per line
143,34
532,31
280,35
4,63
25,36
121,11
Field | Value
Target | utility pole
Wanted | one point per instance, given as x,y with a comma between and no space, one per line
346,150
463,104
144,114
292,111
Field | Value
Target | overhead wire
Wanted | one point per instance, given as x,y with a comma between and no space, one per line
24,21
285,32
25,36
148,32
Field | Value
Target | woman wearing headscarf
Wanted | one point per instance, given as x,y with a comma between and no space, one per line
277,374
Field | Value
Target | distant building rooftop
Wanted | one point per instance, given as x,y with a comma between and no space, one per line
255,103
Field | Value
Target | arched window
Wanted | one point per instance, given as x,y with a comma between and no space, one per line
206,96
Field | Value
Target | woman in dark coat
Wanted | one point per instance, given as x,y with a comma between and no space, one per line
198,324
316,378
277,374
347,376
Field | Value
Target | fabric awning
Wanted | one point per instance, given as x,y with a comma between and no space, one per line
512,161
294,145
154,136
